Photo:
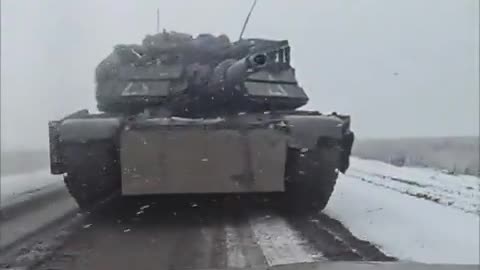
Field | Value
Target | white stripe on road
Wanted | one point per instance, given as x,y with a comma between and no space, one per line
235,256
281,244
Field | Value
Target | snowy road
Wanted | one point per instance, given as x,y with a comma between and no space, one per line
378,212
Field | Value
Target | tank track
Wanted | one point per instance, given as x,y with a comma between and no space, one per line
311,175
93,172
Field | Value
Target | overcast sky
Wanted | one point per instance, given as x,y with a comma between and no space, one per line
399,67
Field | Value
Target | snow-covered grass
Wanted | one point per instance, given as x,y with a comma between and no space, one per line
14,187
380,203
458,191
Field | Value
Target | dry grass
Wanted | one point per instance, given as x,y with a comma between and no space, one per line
458,155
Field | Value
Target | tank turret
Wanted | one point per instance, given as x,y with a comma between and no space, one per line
195,76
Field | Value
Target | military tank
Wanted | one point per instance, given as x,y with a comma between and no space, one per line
182,115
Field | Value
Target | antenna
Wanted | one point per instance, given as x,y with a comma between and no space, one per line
246,20
158,20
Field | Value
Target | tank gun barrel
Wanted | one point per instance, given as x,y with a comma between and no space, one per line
240,69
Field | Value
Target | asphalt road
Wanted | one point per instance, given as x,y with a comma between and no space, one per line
205,232
183,232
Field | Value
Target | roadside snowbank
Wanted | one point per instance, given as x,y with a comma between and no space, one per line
379,210
14,187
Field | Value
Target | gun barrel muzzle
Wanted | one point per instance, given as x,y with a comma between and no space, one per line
258,59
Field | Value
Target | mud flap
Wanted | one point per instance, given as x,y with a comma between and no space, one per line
163,160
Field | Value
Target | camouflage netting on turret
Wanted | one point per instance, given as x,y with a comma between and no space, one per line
183,73
162,62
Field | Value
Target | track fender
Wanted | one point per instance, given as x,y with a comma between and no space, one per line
79,132
305,130
84,130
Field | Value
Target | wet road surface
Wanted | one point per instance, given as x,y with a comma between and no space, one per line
205,232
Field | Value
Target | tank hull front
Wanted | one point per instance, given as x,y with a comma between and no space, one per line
294,153
166,158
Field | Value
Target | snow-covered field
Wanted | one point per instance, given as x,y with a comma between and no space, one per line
14,188
413,214
457,191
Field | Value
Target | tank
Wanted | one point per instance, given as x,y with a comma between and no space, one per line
183,115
